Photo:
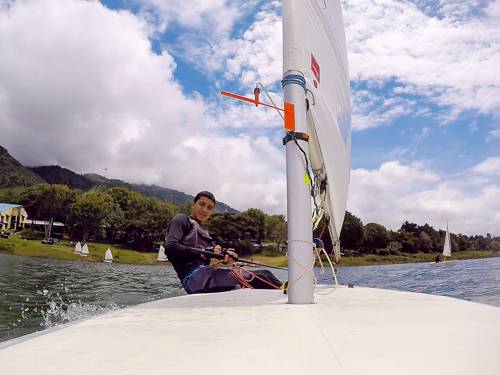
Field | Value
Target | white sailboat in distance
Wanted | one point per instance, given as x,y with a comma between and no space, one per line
161,254
446,250
322,330
108,256
447,243
78,248
85,250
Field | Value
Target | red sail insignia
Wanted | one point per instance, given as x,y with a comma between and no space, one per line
315,67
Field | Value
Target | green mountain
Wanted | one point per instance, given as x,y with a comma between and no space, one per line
171,195
55,174
13,174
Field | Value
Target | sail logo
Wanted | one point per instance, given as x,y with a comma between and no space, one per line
315,68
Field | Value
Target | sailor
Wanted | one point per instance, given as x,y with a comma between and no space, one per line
185,234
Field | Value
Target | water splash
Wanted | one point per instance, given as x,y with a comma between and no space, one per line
50,309
59,312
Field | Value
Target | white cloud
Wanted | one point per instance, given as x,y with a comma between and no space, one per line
215,17
371,110
394,193
87,92
451,60
418,54
254,56
490,166
493,134
257,56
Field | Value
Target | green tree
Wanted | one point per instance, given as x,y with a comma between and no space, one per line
410,228
224,228
375,236
463,243
48,203
89,213
424,243
494,246
407,241
275,229
257,218
145,220
352,232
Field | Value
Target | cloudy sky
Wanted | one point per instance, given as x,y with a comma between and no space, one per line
129,89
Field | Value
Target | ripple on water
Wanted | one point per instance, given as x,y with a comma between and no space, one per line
36,293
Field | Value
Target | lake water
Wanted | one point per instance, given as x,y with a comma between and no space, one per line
36,293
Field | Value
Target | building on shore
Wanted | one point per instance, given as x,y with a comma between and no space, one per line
12,217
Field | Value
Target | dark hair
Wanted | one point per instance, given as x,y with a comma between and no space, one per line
205,194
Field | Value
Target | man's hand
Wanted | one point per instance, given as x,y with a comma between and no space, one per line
230,255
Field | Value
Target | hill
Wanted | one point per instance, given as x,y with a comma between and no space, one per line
55,174
13,174
171,195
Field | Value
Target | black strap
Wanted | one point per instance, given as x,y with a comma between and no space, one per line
291,136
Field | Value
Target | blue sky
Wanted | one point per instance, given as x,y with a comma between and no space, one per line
130,89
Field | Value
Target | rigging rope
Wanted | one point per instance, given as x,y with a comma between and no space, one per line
294,78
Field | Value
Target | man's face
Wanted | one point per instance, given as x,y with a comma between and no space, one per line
202,209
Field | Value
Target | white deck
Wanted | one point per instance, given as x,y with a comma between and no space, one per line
350,331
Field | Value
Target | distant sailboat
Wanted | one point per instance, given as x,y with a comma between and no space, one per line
85,251
446,249
78,248
447,244
161,254
108,256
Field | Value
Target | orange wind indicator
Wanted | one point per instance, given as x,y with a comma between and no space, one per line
289,109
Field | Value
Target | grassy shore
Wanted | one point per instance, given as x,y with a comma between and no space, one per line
64,250
373,259
368,260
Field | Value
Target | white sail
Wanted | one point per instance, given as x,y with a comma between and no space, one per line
78,248
319,51
447,244
161,254
85,250
108,256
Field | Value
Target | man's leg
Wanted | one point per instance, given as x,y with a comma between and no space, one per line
212,280
265,280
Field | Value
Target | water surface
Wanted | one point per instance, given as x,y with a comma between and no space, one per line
36,293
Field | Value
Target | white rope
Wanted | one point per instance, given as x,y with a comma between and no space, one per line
322,271
332,267
306,270
303,241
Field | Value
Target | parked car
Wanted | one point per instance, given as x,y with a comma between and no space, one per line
50,241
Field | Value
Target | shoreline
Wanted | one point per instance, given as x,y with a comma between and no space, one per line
64,251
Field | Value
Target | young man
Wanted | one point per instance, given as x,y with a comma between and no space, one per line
185,234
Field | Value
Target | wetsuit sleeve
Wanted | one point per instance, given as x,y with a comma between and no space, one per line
178,228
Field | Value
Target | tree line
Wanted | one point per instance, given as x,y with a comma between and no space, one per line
358,239
120,216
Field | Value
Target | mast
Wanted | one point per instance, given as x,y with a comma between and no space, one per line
300,275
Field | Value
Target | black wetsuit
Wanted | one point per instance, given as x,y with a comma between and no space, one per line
184,233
